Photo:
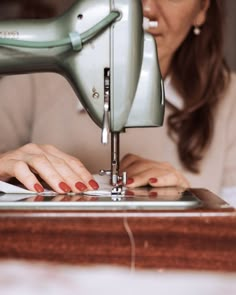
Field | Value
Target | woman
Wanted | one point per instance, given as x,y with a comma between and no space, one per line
191,149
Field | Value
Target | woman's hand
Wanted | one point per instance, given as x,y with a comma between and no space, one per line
143,172
62,172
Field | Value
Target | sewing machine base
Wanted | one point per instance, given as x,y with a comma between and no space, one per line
143,199
201,238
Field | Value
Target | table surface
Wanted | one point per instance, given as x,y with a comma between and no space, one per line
197,239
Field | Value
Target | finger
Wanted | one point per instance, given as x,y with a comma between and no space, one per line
140,178
139,168
83,175
21,171
136,168
128,160
86,176
69,176
47,172
22,162
168,179
156,178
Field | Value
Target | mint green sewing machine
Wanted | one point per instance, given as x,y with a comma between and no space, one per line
102,50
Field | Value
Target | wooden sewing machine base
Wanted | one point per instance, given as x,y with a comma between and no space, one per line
199,239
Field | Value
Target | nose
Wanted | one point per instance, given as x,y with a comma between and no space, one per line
150,9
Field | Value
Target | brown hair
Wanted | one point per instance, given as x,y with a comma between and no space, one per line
27,9
200,74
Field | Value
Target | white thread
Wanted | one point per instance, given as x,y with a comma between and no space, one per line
132,243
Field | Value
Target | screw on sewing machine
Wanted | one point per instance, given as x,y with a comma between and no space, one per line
96,94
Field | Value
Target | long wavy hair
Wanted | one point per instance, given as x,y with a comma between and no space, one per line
200,74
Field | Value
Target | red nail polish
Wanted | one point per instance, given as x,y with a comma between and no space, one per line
80,186
93,184
63,186
153,180
130,181
38,188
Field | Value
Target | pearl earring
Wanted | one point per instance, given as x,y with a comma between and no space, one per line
196,30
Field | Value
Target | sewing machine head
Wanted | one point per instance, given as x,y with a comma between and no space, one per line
102,50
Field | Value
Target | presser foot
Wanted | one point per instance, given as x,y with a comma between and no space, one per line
118,190
118,182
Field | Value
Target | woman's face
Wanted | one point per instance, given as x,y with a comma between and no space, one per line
175,19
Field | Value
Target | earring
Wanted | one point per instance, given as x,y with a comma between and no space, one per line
196,30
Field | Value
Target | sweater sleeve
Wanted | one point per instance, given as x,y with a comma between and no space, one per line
16,111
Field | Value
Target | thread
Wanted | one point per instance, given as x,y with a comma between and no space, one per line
132,243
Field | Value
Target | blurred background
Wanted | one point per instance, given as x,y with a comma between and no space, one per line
48,8
230,33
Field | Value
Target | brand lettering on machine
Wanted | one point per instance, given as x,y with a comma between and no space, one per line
9,34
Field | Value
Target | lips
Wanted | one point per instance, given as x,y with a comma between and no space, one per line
154,33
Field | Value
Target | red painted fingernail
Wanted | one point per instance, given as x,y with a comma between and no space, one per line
63,186
129,181
153,180
38,188
80,186
93,184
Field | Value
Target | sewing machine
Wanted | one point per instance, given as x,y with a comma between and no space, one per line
102,50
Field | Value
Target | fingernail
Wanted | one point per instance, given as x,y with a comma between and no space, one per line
80,186
64,187
93,184
153,180
129,181
38,187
